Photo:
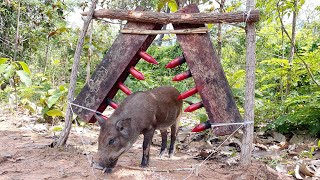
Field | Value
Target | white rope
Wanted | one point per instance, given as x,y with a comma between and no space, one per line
229,124
83,108
81,137
248,15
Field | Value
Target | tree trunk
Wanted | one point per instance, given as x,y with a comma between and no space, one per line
293,39
219,48
89,53
16,44
249,92
177,18
159,41
47,57
73,78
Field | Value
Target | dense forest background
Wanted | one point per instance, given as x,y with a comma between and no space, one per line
38,40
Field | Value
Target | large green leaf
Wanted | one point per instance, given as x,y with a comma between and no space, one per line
3,60
8,72
53,99
24,77
172,5
25,67
55,113
3,68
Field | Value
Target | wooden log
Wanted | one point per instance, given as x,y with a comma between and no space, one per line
201,30
176,18
114,68
209,76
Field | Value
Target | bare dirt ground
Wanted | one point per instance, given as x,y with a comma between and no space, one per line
25,154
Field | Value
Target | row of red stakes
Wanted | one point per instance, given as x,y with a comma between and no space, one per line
174,63
135,73
177,62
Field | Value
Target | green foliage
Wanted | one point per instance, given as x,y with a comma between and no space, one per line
18,71
47,43
171,4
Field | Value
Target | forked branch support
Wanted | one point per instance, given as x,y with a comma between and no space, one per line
176,18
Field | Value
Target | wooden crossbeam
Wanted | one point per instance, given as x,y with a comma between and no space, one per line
176,18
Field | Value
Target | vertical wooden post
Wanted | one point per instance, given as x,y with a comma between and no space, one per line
247,138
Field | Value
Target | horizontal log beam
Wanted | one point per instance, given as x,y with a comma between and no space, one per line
176,18
201,30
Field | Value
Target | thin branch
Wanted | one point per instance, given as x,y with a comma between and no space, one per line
295,48
201,30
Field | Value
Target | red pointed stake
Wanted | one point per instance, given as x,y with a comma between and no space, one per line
182,76
112,104
147,57
176,62
103,116
135,73
188,93
194,107
124,88
201,127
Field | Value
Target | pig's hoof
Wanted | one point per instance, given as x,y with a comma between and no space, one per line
161,154
97,166
143,165
107,170
171,155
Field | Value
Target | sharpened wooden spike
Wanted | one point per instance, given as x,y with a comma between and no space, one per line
194,107
201,127
188,93
182,76
147,57
112,104
176,62
124,88
135,73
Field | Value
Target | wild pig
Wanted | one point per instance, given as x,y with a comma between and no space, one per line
140,113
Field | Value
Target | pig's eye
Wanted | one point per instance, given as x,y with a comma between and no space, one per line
111,141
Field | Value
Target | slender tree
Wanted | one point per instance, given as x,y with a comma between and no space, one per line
219,48
73,78
293,39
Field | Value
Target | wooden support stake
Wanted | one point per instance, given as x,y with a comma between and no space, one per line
201,30
176,18
247,137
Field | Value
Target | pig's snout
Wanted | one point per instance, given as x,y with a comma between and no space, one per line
105,166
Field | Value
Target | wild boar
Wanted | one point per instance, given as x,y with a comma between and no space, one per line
140,113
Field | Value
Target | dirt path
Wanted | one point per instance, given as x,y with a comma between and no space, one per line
24,154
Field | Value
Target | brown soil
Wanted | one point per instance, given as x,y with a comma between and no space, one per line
25,154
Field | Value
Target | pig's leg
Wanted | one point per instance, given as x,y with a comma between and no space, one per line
173,140
164,135
148,134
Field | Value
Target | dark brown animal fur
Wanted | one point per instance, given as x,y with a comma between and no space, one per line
140,113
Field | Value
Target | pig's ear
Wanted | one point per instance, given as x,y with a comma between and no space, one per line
101,120
124,126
